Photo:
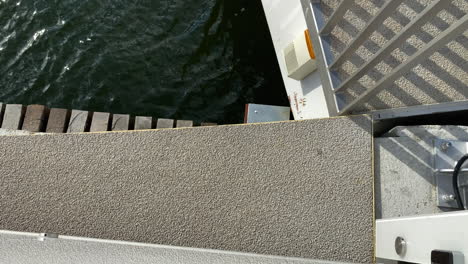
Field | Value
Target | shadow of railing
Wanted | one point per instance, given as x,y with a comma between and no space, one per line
440,78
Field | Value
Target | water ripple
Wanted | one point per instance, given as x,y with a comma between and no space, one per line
186,60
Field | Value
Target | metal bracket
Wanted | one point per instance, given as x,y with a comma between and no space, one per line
446,155
45,236
256,113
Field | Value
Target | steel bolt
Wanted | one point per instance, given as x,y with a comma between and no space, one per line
44,236
445,146
400,246
448,198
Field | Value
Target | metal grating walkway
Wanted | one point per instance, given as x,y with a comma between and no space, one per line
360,87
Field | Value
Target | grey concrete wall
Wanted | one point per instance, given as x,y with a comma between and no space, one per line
405,182
405,179
299,189
440,78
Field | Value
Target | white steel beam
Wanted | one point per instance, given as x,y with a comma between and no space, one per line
313,21
422,235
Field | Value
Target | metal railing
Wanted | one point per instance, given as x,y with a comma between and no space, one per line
328,64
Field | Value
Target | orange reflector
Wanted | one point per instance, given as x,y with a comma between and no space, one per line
309,44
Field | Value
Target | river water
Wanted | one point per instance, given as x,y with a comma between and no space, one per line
200,60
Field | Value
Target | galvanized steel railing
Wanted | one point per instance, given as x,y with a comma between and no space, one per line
332,83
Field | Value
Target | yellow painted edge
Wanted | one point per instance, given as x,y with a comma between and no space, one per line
180,128
310,47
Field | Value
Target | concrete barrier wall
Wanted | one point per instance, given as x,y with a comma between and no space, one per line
297,189
404,170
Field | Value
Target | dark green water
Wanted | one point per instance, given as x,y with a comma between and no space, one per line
200,60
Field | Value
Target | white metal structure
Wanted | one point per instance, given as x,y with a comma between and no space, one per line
286,22
422,235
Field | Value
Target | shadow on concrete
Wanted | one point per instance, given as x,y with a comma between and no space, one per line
405,175
440,78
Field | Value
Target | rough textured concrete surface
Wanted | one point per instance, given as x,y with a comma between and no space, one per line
26,249
35,118
297,189
405,180
79,121
58,120
441,77
13,117
120,122
184,123
165,123
143,122
100,122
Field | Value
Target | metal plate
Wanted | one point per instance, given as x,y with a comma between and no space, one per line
445,192
447,154
256,113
